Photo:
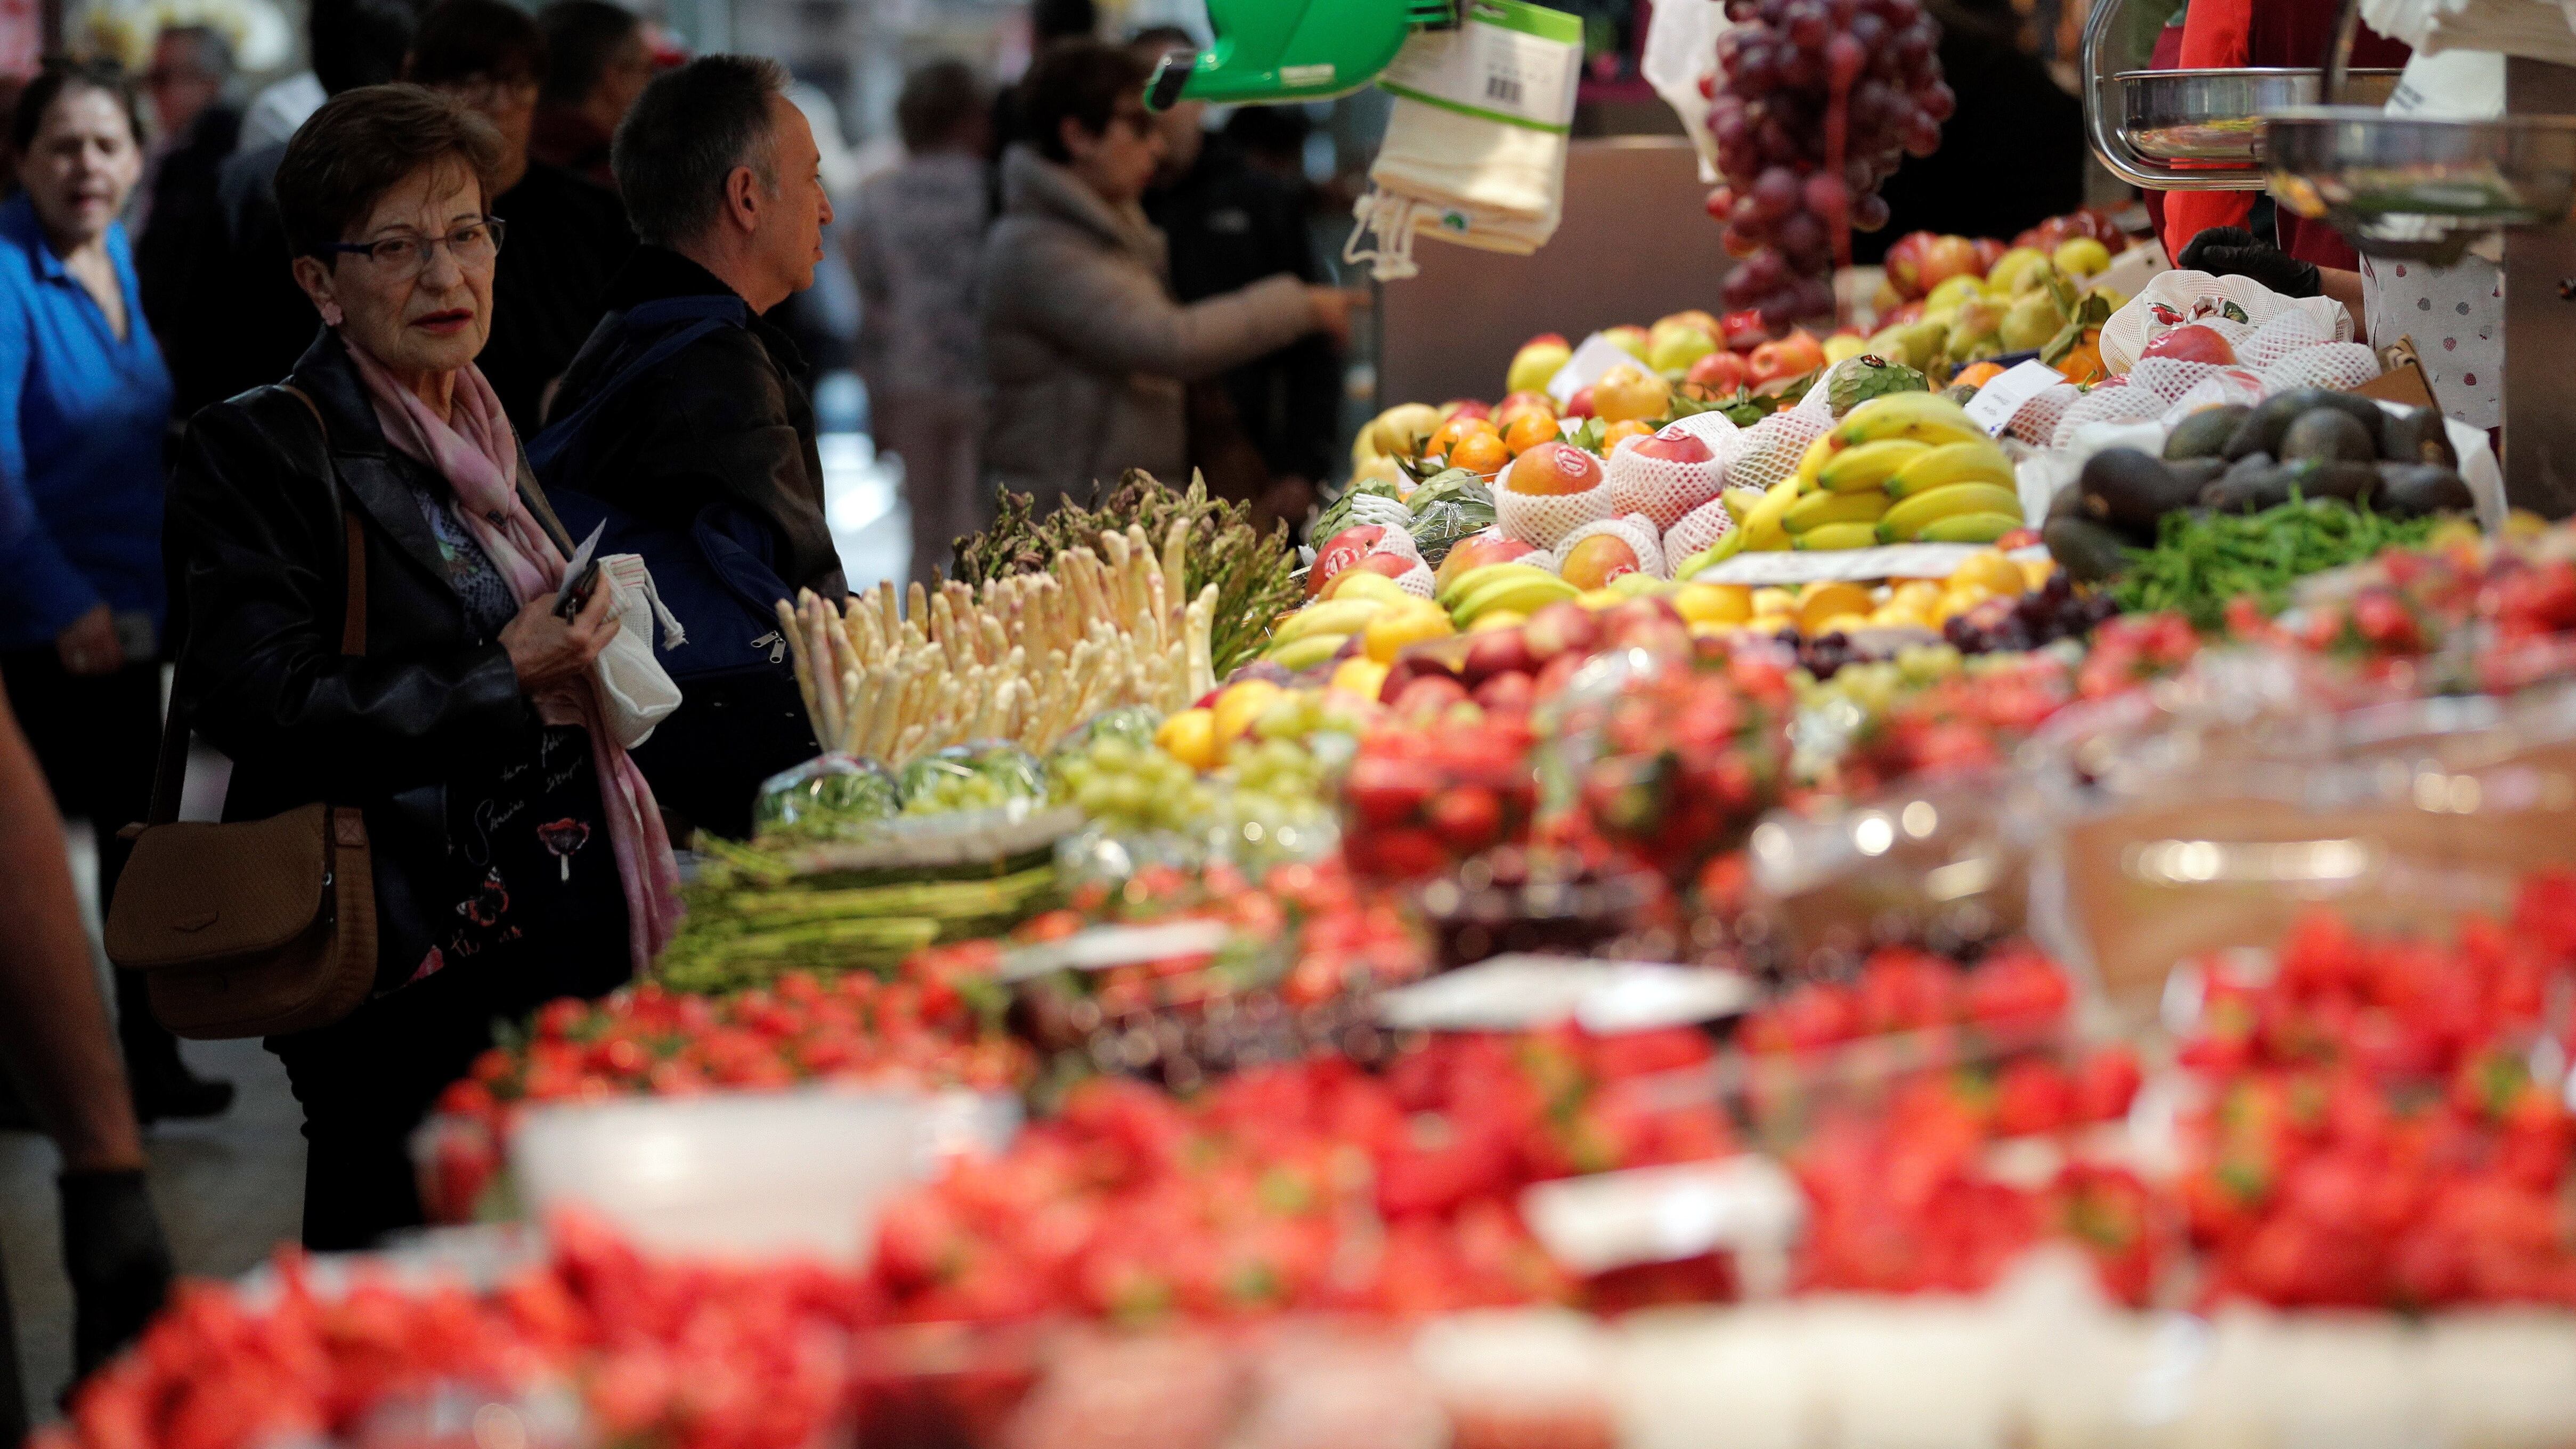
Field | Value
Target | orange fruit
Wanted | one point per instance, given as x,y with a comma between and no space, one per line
1620,432
1977,374
1451,433
1480,452
1528,429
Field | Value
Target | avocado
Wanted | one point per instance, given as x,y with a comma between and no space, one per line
2129,490
2263,428
2329,435
2205,432
2411,490
2415,435
2253,484
2087,551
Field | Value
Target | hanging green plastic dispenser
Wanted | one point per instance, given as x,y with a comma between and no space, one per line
1272,51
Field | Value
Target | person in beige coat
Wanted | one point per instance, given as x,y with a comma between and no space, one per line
1087,354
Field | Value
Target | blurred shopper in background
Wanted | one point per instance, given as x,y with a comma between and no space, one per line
195,129
83,401
1263,432
1087,353
567,236
915,248
687,410
598,59
245,321
517,854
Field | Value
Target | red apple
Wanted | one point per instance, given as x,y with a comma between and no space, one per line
1507,693
1989,251
1902,313
1579,405
1675,444
1464,407
1554,468
1340,552
1552,676
1519,403
1799,352
1552,339
1947,257
1564,627
1597,560
2193,343
1720,372
1745,330
1638,620
1496,651
1393,565
1904,263
1475,551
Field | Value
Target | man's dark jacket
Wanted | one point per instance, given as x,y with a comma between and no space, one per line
723,424
725,420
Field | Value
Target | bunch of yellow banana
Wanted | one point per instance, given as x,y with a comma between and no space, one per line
1514,588
1909,467
1354,603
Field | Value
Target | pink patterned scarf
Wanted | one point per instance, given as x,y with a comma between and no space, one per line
478,455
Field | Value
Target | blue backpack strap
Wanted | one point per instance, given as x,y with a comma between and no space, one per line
697,317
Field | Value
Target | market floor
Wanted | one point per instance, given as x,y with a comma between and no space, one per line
229,1191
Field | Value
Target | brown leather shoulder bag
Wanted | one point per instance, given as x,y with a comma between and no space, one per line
257,927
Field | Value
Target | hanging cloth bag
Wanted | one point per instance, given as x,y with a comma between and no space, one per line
1475,147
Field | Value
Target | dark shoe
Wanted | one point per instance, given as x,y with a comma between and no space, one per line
173,1093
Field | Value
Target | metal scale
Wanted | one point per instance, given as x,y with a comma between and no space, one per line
2396,187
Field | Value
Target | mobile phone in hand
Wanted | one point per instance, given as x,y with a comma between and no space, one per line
576,595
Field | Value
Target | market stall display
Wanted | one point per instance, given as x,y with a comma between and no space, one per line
1812,668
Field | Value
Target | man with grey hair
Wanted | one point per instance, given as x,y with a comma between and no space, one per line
686,411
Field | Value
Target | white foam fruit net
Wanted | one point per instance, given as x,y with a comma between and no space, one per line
2170,377
2035,421
2341,366
2226,385
1540,519
1635,529
2107,404
1416,580
1698,529
1769,450
2286,333
1659,488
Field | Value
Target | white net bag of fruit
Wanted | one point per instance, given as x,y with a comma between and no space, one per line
1713,428
2109,403
2341,366
2182,299
1647,477
2284,334
2170,377
1635,530
1698,531
1542,519
2035,421
1769,450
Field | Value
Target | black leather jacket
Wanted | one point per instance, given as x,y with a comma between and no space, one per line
254,522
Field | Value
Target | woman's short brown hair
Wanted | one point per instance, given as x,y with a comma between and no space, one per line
362,144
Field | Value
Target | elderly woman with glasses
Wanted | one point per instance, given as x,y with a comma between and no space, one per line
517,853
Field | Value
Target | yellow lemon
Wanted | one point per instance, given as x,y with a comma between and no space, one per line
1389,632
1714,603
1989,570
1240,705
1190,737
1363,677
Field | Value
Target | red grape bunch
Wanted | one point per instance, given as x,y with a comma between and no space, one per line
1814,104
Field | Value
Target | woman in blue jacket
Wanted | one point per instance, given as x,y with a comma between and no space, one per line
83,402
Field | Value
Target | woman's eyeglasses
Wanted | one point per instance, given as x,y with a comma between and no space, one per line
473,245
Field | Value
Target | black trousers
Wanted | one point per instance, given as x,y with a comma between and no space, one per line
98,737
367,1080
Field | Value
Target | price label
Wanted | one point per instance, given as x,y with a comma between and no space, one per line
1994,405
